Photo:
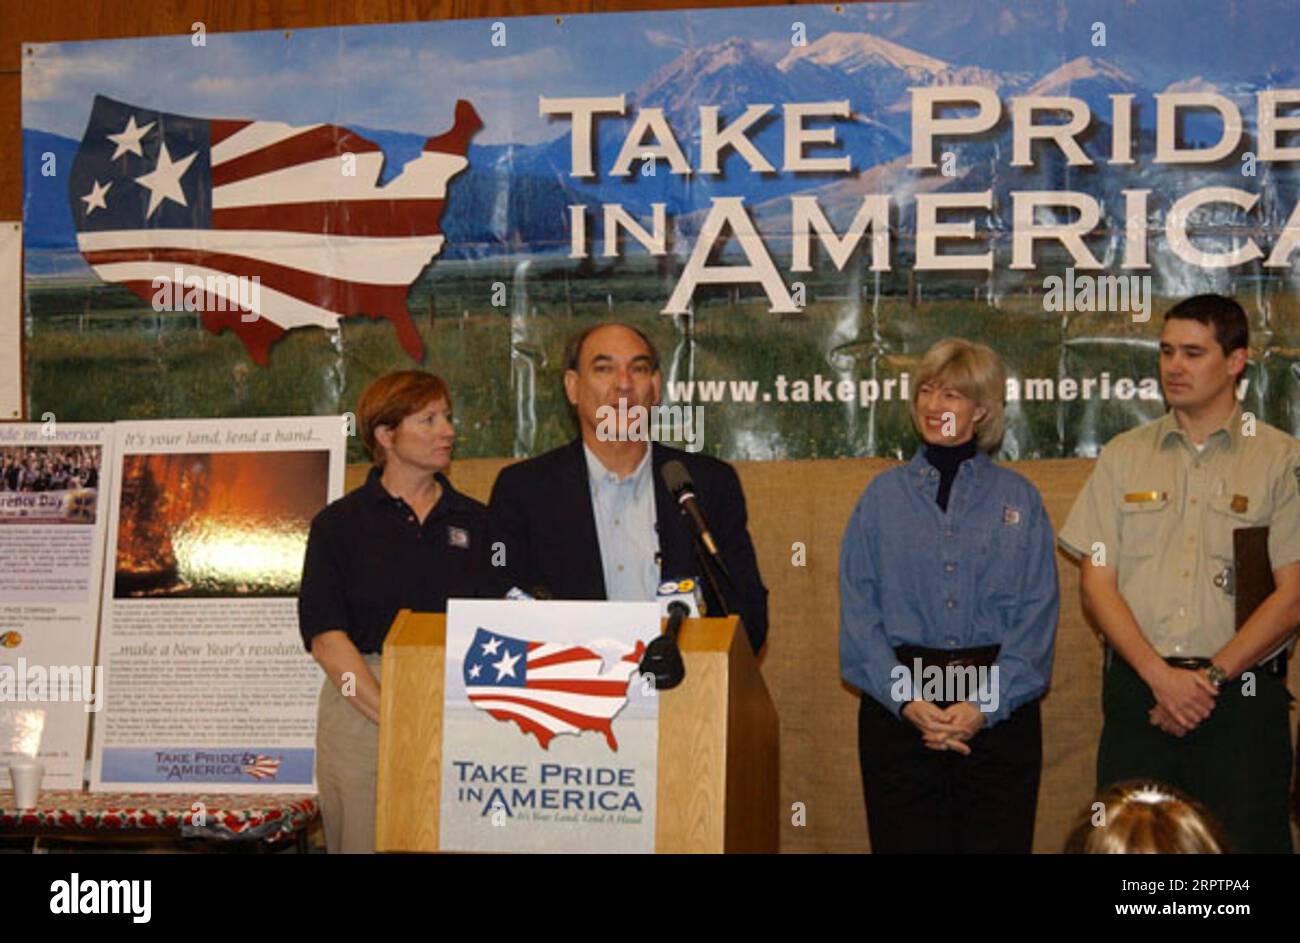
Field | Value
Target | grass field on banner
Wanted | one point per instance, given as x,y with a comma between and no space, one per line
96,352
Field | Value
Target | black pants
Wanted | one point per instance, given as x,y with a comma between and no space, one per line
1237,763
940,802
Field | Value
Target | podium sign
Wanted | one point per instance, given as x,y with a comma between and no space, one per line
550,735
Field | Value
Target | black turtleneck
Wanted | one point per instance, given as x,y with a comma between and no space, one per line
946,458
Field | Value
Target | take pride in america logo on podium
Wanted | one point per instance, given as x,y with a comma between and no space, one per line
547,688
528,687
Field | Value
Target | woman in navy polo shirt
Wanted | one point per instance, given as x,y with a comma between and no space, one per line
948,605
406,539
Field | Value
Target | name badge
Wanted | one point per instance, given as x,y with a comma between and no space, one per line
1135,497
458,537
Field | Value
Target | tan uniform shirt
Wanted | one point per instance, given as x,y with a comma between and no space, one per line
1163,512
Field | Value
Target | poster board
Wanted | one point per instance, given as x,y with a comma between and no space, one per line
208,685
53,509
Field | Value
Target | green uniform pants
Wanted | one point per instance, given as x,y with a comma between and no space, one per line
1237,763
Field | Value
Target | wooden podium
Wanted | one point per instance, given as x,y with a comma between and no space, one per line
718,742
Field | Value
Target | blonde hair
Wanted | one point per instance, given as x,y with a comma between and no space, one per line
1147,818
976,372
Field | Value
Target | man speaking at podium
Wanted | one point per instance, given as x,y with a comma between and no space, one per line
594,519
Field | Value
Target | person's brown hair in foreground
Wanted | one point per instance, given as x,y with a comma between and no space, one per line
1146,818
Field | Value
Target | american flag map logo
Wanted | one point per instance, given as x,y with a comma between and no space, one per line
299,208
547,688
261,766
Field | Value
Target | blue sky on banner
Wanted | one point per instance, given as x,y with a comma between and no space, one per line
397,84
406,77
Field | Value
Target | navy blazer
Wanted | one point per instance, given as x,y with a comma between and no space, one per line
541,510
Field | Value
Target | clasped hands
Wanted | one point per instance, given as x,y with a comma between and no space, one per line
945,728
1184,698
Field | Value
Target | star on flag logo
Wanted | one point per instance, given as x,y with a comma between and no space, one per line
547,688
233,199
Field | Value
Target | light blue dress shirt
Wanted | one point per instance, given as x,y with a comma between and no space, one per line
625,526
981,573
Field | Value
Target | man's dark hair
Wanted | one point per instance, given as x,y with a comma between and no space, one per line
1228,319
573,347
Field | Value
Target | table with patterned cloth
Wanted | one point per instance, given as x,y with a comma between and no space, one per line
270,819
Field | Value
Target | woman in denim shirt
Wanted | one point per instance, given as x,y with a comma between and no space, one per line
948,605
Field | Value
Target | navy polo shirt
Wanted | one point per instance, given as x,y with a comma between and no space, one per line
368,556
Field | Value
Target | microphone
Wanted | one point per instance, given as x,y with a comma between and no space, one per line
678,482
662,659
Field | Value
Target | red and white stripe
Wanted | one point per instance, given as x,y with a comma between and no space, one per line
323,243
564,692
264,767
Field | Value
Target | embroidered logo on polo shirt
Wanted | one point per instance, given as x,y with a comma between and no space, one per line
1010,514
458,537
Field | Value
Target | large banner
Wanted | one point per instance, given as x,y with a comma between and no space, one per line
53,513
792,202
207,686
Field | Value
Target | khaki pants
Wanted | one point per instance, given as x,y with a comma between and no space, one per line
347,756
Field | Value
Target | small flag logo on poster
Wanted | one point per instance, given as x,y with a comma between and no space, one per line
261,767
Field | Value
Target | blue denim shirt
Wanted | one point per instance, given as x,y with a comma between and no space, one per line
982,573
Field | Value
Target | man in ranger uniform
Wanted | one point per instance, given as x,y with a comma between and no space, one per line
1190,698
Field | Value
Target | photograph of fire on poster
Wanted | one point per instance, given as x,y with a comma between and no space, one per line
216,524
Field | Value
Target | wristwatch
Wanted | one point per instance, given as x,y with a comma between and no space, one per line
1215,675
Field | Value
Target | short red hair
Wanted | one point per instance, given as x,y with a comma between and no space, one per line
390,399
